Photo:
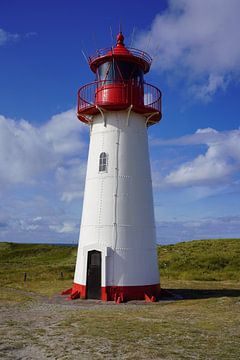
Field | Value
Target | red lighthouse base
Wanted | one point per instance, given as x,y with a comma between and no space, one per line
149,293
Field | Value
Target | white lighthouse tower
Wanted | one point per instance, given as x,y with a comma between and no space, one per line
117,258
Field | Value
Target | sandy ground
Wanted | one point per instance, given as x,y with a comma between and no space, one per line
205,327
42,328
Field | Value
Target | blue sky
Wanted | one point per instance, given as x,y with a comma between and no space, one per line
195,150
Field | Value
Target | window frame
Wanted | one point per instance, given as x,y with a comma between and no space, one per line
103,162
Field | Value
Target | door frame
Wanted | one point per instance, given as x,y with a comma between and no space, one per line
106,253
90,253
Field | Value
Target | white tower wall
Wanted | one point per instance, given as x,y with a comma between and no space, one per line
117,215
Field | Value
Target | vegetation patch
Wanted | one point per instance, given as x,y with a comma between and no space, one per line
35,323
48,269
206,260
45,269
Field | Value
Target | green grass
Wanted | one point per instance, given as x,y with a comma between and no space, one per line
205,260
203,325
43,265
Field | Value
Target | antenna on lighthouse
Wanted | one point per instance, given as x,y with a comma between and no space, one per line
85,56
84,52
111,33
132,37
149,40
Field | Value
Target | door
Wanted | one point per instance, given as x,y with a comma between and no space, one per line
94,275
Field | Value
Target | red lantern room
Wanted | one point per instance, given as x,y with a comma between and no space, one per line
120,84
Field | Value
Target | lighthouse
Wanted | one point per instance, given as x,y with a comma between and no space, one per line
117,256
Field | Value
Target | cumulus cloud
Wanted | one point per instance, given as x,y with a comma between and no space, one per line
219,163
54,225
201,136
71,179
42,170
62,132
23,152
197,40
27,152
205,168
206,90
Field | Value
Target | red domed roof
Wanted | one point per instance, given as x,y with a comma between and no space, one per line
120,48
122,52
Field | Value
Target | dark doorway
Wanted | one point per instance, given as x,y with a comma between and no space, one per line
94,275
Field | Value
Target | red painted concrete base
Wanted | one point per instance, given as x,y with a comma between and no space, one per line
149,293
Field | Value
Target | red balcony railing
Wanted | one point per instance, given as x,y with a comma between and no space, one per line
144,98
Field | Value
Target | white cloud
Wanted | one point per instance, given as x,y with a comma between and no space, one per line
219,164
62,133
206,131
205,168
216,228
71,179
42,175
197,40
28,152
40,168
6,37
37,218
66,227
23,152
201,136
206,91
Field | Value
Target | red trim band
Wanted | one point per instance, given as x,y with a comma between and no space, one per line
121,293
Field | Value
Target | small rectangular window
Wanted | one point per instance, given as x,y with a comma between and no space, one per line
103,162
